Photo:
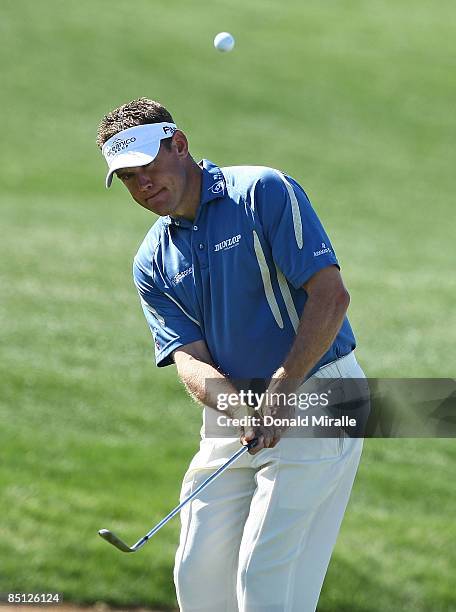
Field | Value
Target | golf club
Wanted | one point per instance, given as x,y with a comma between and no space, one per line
111,537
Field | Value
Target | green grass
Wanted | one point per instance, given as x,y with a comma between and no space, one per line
356,101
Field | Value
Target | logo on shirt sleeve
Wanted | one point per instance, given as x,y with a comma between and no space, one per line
324,249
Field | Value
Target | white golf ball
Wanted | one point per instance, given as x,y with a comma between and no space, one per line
224,42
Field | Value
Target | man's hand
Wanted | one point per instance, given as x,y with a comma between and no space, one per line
268,433
320,321
267,437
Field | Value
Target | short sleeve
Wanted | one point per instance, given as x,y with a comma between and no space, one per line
299,243
170,324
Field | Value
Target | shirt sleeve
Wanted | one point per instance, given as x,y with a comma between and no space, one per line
170,324
299,243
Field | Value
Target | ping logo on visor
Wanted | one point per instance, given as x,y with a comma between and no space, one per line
136,146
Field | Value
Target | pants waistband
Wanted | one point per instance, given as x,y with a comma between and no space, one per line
332,369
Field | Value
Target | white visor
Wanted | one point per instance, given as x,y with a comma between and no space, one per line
137,146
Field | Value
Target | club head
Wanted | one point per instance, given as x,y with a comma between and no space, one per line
111,537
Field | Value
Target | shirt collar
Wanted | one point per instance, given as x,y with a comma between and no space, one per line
213,187
213,184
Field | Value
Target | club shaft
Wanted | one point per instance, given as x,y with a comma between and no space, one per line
204,484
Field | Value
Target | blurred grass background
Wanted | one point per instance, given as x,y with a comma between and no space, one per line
356,101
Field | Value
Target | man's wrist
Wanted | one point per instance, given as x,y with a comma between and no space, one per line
285,381
240,411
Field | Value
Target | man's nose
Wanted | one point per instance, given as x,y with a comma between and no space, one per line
144,180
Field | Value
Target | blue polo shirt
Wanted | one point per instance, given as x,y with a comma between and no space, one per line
233,276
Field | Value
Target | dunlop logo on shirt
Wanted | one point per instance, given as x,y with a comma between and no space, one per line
229,243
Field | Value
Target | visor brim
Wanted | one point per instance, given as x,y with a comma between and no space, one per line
130,159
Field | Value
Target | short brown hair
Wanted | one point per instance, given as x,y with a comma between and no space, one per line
131,114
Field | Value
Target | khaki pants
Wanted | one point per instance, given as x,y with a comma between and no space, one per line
260,537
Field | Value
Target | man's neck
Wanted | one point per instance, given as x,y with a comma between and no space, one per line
192,197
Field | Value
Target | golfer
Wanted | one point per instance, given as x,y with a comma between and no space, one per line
239,281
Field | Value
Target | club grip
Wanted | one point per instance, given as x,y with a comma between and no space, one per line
252,443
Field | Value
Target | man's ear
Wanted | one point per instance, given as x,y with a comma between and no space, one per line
180,143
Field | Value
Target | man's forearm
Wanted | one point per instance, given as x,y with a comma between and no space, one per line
205,384
322,318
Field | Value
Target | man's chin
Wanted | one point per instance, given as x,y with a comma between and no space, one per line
159,204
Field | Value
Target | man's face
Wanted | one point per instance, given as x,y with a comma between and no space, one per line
161,185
